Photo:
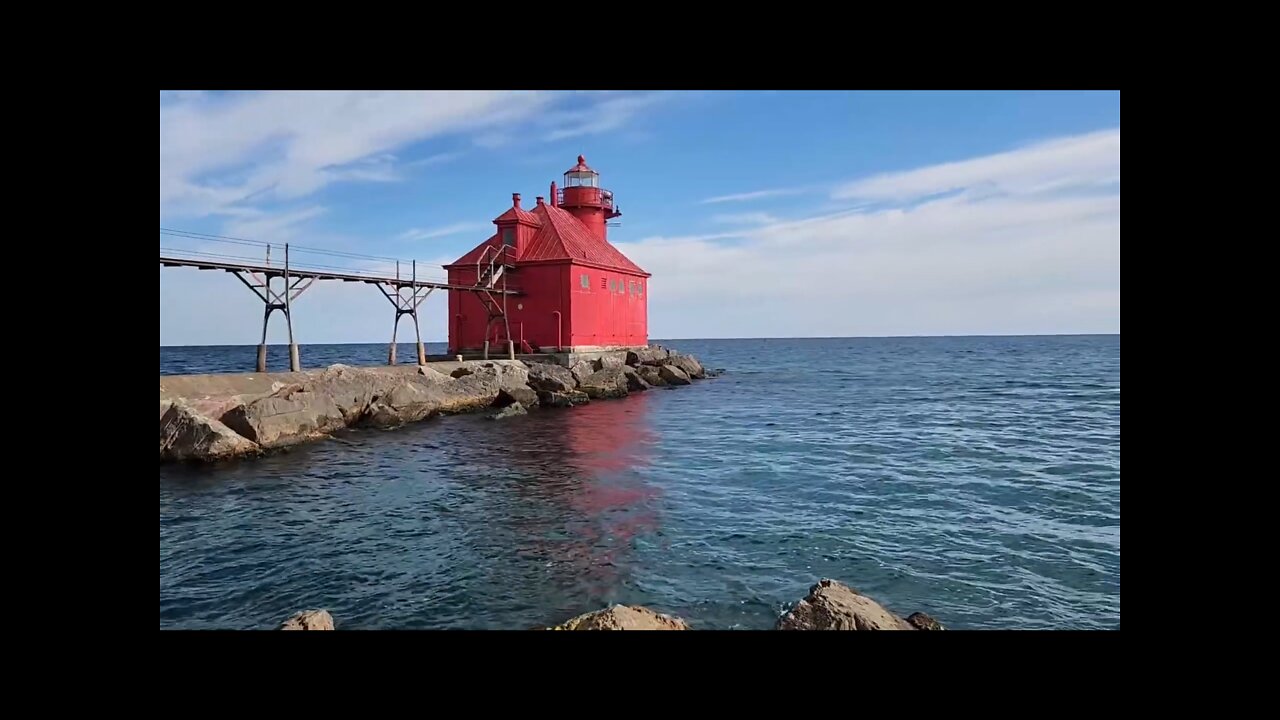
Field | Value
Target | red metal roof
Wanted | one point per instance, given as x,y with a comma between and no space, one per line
472,257
564,237
560,236
515,213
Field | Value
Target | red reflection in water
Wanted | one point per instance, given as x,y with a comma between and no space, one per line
587,489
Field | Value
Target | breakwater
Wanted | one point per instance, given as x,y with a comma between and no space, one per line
218,417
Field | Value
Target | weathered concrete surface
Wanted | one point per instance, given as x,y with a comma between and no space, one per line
831,605
220,416
309,620
623,617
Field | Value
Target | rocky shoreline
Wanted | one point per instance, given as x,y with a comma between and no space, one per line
219,417
830,605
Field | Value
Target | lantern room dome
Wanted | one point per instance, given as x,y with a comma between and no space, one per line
581,175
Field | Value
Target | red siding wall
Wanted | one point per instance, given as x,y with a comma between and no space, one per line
612,310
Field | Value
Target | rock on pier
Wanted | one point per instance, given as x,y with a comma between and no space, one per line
217,417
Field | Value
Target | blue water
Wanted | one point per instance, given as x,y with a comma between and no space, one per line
975,478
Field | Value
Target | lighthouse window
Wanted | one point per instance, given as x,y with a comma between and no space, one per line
508,236
585,281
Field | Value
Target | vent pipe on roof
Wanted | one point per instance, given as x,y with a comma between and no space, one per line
555,196
515,200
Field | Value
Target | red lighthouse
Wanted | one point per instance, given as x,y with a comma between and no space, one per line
575,291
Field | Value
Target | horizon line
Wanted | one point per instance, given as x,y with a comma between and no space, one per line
675,339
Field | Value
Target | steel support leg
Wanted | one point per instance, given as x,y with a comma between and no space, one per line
417,333
406,305
262,346
273,300
391,352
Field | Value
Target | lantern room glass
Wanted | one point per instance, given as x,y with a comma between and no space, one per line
581,179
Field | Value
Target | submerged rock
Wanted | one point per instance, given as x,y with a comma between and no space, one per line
309,620
831,605
509,411
187,435
562,400
623,617
920,621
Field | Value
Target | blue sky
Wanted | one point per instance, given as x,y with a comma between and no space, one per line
759,213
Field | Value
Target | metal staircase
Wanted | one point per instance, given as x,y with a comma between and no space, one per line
491,274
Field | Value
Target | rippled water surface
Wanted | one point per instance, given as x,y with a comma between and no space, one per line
977,479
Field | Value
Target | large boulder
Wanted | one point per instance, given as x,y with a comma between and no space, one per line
475,391
610,360
607,383
834,606
551,378
309,620
635,383
520,395
651,374
410,401
623,617
688,364
187,435
581,370
673,375
353,389
647,356
288,416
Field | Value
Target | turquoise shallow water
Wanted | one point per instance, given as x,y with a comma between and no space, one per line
977,479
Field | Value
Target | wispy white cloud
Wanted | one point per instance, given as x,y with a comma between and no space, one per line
445,231
272,227
286,145
754,195
437,159
1082,161
748,218
605,115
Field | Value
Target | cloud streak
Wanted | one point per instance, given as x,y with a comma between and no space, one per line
445,231
1080,162
754,195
